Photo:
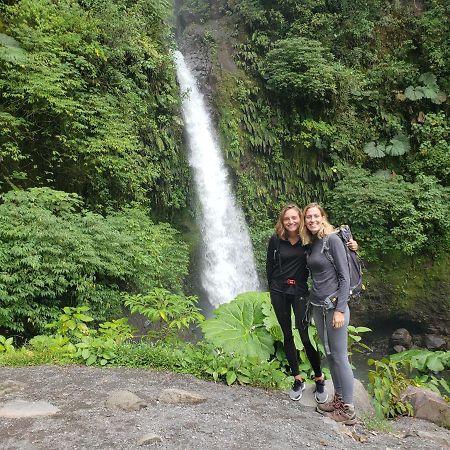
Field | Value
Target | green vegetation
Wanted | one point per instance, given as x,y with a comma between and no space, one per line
390,214
55,253
89,102
413,367
342,102
169,312
321,93
242,343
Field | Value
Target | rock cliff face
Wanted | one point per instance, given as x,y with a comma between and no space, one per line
412,293
206,41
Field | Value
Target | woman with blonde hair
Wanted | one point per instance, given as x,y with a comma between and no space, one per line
328,299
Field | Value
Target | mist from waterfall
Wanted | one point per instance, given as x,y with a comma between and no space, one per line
227,266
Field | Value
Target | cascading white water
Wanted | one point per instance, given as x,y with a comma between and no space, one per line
228,266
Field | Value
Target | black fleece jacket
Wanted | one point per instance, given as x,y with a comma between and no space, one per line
286,261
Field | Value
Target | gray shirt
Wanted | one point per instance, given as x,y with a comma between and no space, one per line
328,281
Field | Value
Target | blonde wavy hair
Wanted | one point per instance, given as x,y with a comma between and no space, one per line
306,236
279,227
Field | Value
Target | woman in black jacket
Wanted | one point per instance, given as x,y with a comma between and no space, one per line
287,277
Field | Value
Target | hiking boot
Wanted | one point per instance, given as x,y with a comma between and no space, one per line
329,407
345,414
297,390
320,392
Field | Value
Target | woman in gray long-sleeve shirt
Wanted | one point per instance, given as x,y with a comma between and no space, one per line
328,299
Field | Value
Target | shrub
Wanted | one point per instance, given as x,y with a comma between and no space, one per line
301,67
388,214
53,253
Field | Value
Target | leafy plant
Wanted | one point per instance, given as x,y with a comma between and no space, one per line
429,89
247,370
78,86
238,327
53,253
301,67
424,360
73,323
169,312
386,383
431,157
355,340
392,215
11,51
96,350
428,364
398,145
118,330
6,344
57,347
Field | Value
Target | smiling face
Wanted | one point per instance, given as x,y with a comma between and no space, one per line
291,222
313,219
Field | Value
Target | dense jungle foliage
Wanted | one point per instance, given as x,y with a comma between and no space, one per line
89,102
90,157
346,103
343,102
338,101
324,86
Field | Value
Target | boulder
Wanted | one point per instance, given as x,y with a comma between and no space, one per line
362,400
401,337
178,396
125,400
427,405
23,408
434,342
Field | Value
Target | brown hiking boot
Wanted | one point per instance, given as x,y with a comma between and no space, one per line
345,414
330,406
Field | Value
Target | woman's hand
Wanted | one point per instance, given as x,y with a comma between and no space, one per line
338,319
352,245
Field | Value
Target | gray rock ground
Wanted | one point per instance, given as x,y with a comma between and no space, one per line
231,417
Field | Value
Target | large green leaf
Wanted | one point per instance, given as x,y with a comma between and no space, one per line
374,150
434,363
270,321
399,145
429,80
238,327
414,93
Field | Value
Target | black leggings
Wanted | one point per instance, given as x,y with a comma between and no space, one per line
282,304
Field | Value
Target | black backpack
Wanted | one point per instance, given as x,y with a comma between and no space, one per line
355,265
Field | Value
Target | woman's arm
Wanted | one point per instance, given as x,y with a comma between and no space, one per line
270,259
338,253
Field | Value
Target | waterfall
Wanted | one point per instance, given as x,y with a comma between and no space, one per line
228,266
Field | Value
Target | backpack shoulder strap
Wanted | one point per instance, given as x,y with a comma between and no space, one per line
326,249
276,252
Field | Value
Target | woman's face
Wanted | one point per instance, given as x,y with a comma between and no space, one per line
313,219
291,221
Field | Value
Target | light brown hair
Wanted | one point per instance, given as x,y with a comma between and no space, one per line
279,227
327,228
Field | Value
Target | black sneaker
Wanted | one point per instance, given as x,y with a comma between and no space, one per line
297,390
320,393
